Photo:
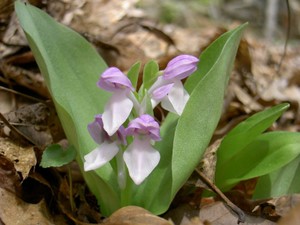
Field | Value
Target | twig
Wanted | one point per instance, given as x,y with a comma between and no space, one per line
6,122
287,36
21,94
233,207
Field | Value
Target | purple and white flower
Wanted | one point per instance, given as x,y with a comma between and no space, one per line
168,88
107,129
120,104
108,145
181,67
140,157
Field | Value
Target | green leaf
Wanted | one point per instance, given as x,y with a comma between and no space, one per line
195,127
55,156
265,154
146,104
287,177
245,132
203,110
224,45
133,73
150,73
71,67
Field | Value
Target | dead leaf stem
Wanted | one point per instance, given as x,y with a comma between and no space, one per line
6,122
214,188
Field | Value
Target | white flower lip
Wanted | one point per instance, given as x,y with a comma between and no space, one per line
168,88
141,159
108,145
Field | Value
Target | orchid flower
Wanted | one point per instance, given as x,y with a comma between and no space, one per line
121,102
140,157
168,88
108,145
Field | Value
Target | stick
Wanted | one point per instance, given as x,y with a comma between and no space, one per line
233,207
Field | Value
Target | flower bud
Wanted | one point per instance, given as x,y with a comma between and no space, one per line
181,67
112,79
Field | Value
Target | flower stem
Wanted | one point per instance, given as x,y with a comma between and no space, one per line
71,189
126,193
121,170
123,179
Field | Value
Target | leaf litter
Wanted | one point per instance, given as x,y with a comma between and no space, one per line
123,33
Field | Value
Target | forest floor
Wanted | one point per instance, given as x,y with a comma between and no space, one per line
124,34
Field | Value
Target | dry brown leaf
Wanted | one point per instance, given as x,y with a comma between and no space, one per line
218,214
208,163
192,221
292,218
9,178
14,35
89,16
80,213
284,204
133,215
6,102
243,62
17,212
27,78
33,121
249,103
182,212
23,158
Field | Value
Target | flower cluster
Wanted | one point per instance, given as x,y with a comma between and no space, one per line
139,156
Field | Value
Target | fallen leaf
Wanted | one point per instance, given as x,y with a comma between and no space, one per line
6,103
208,164
218,214
80,213
249,103
133,215
292,218
182,213
9,178
23,158
243,62
15,211
192,221
35,188
284,204
31,80
38,122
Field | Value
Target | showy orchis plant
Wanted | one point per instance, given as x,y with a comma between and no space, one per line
107,130
132,160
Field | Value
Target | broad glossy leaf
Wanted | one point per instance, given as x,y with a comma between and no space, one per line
265,154
71,68
213,53
280,182
203,110
195,128
245,132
